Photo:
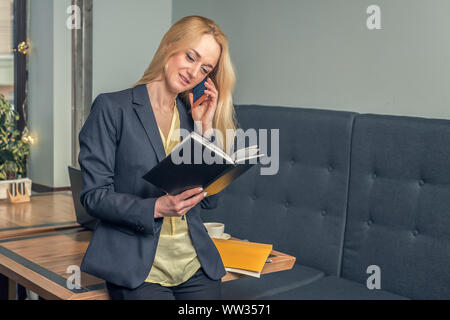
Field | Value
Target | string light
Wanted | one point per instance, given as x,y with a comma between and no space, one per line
27,137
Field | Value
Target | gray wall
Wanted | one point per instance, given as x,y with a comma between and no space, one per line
40,92
49,89
49,92
125,36
62,99
320,54
310,53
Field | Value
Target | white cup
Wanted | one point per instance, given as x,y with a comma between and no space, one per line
215,229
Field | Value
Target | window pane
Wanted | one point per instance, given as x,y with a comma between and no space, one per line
6,54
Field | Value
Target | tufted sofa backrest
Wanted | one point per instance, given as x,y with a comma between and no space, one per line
300,210
399,205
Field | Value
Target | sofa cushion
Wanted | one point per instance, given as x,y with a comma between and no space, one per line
334,288
399,205
301,209
252,288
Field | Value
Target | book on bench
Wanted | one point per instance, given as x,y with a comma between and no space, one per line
197,162
243,257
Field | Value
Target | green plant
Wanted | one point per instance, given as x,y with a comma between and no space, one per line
12,147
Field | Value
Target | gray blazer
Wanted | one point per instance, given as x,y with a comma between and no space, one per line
119,143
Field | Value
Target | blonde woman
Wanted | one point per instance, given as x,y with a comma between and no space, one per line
147,244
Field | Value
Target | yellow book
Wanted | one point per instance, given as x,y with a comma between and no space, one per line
250,256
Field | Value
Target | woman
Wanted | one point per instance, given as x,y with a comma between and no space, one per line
148,244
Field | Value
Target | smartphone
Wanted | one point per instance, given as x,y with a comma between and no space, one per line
199,92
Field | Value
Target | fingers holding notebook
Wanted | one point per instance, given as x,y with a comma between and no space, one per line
178,205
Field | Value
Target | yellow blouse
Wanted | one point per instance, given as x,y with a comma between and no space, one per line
175,259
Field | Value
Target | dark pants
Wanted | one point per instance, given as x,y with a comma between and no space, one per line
198,287
4,292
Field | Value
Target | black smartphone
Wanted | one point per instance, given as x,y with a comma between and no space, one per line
199,92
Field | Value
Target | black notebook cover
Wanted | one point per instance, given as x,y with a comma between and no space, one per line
175,178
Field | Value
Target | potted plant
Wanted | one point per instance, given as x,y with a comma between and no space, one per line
14,150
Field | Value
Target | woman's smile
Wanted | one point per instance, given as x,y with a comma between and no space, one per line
183,80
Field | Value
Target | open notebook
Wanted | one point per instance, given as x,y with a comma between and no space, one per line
174,177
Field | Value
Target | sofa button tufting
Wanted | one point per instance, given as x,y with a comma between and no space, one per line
369,222
254,197
415,233
292,161
374,175
286,204
324,212
421,182
330,168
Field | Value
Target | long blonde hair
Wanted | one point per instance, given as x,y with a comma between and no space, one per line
181,36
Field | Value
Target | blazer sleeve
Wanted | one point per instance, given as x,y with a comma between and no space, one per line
213,201
98,139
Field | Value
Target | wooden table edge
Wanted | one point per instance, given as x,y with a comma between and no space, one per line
40,284
30,231
101,294
44,287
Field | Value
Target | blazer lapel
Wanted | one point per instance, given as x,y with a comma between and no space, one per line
143,108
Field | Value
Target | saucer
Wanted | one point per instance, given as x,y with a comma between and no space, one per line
224,236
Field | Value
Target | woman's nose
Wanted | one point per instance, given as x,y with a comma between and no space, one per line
193,71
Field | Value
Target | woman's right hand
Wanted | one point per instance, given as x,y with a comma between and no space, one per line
177,206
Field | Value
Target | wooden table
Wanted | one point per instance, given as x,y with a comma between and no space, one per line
40,263
45,213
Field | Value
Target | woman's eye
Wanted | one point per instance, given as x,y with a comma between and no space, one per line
205,71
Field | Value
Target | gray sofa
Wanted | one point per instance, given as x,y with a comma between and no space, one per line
353,190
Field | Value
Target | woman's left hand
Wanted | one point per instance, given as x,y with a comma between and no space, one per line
204,112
